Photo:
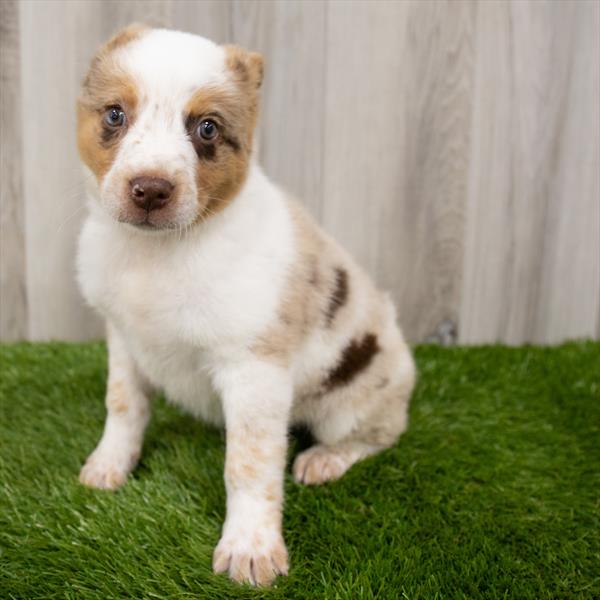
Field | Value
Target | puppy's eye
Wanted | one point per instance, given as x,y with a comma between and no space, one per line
115,116
208,130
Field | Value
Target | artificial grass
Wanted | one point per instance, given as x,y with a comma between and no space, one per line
493,492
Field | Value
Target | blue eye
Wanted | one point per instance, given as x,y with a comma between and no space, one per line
114,117
207,130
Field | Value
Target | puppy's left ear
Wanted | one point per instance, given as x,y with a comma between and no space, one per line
247,67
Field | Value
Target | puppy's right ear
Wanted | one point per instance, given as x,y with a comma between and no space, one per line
248,67
124,36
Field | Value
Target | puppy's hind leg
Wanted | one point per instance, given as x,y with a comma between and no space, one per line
128,412
375,430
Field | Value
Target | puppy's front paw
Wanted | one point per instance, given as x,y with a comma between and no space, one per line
107,471
255,559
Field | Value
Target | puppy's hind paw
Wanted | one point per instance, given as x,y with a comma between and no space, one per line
318,465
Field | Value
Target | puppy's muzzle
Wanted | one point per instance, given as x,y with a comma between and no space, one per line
150,193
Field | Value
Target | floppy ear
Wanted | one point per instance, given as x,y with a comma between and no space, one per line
247,66
124,36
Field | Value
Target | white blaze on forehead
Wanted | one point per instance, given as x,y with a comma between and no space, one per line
173,64
167,68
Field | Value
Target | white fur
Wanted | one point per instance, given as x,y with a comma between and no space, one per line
157,140
185,307
187,302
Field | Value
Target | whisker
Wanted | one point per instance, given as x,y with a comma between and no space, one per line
77,210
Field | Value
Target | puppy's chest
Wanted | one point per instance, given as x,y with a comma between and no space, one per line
177,301
159,305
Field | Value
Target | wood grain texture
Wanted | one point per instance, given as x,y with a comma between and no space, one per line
210,18
452,146
397,148
13,295
570,278
54,60
291,37
534,102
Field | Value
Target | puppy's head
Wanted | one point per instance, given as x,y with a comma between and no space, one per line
165,123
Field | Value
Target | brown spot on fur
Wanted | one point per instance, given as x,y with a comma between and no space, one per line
257,452
116,398
314,279
356,357
249,471
273,493
105,85
383,382
339,295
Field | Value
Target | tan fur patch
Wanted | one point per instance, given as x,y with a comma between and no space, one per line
105,84
305,296
223,167
238,465
247,66
116,398
273,493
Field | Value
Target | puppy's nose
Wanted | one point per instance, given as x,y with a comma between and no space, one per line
150,193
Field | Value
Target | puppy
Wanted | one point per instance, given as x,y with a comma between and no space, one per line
222,292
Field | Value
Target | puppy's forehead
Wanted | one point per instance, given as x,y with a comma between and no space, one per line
172,63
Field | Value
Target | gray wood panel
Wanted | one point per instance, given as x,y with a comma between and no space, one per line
397,148
533,135
452,146
13,294
54,60
291,37
570,277
210,18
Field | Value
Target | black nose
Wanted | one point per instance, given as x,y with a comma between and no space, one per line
150,193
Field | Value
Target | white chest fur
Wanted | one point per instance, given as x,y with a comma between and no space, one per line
180,301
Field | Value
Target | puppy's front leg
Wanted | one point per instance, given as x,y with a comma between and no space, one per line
128,412
256,399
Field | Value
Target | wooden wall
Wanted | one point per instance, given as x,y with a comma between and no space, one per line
452,146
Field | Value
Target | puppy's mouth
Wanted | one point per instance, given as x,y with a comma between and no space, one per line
148,222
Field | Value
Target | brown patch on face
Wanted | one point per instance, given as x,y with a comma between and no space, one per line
356,357
339,295
105,85
223,162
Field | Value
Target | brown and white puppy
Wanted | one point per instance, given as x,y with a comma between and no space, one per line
222,292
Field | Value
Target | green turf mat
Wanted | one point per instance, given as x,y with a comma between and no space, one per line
493,492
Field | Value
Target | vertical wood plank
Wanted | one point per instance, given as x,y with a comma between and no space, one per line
54,60
291,37
523,109
210,18
570,278
452,147
397,148
13,296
